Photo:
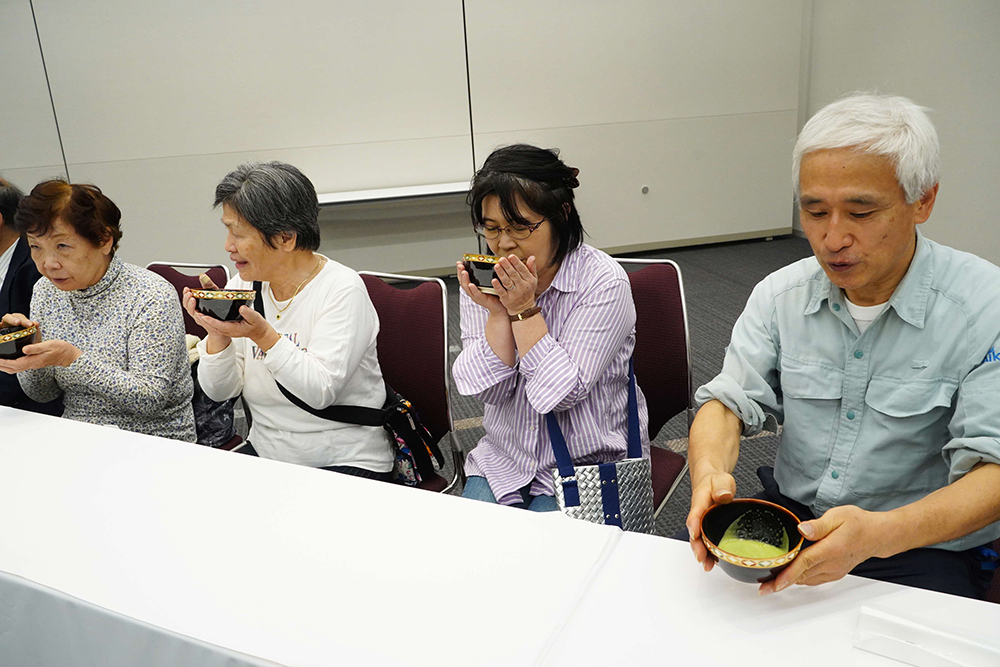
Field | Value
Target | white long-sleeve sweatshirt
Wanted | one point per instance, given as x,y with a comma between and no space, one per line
326,356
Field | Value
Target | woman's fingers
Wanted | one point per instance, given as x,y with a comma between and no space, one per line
188,302
503,272
206,282
524,269
15,320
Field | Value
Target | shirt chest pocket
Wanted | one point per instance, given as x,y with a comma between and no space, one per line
909,398
811,396
810,381
899,448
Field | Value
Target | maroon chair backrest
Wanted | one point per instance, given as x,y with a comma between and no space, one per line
661,363
181,280
411,347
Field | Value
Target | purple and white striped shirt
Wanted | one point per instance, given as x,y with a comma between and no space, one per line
579,370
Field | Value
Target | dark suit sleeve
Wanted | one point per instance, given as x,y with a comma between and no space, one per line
21,288
21,279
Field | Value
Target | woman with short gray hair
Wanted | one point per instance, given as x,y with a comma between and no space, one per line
316,337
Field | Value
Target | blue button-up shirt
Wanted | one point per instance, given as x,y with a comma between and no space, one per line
879,419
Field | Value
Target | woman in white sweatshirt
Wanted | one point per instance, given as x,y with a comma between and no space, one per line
316,337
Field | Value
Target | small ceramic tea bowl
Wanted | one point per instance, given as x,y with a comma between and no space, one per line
480,268
14,339
764,518
223,304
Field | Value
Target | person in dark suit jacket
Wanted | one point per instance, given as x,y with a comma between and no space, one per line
15,292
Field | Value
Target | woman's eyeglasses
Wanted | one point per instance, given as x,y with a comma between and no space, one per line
517,232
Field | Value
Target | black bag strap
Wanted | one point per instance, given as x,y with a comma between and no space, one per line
348,414
396,415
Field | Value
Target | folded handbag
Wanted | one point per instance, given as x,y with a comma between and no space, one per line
619,493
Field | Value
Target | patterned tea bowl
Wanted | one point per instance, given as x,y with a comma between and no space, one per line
750,570
480,268
14,339
223,304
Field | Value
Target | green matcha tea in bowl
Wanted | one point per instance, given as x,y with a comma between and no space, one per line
753,540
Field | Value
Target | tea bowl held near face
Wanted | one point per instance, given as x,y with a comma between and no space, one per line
14,339
759,520
480,268
223,304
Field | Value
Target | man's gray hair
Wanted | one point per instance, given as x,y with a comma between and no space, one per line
10,197
887,125
275,198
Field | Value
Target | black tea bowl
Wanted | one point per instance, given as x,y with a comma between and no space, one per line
750,570
481,271
223,304
14,339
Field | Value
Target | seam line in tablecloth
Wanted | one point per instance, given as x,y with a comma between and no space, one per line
574,604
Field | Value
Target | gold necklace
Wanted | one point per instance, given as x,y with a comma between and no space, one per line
270,290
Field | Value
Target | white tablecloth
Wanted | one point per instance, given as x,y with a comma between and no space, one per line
654,605
165,549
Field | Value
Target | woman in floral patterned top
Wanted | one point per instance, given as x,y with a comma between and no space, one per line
113,335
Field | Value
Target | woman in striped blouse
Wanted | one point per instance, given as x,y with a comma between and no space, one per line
558,338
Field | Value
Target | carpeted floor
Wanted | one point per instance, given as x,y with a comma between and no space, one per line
718,280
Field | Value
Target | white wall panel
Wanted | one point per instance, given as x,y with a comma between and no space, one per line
423,237
28,136
158,101
27,178
565,62
943,55
723,176
196,77
696,100
167,203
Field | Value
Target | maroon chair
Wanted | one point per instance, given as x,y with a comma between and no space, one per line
220,276
217,272
662,359
413,354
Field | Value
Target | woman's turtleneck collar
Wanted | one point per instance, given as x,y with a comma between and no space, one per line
102,285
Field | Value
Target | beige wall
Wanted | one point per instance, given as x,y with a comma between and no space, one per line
29,143
698,102
156,102
695,101
944,55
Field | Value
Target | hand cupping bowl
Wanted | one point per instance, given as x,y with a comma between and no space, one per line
753,540
480,268
14,339
223,304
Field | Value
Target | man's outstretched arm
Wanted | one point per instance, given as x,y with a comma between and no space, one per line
847,536
713,446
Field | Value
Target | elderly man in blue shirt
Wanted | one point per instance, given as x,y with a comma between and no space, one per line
878,358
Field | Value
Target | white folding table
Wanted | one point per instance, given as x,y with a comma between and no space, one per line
121,549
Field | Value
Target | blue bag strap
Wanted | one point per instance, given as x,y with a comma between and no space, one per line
610,500
565,462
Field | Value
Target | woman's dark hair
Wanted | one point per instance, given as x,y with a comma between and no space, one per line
274,198
85,208
539,179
